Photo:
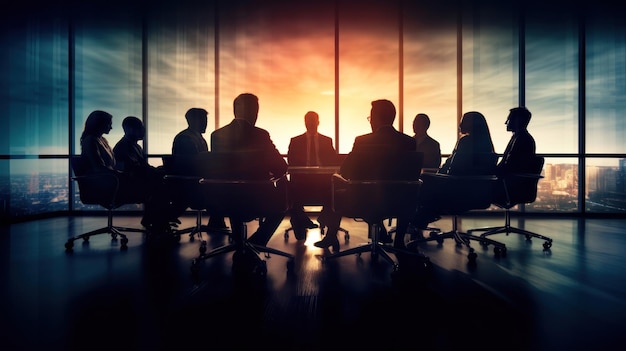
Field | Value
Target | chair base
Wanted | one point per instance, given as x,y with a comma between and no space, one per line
507,229
243,246
461,239
377,248
346,234
114,231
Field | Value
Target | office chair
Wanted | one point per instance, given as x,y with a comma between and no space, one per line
230,191
312,186
460,194
512,190
102,190
180,174
389,188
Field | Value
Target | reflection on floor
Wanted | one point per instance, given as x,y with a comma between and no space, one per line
571,297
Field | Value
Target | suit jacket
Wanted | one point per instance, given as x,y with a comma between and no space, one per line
431,150
188,143
297,153
385,140
243,138
519,154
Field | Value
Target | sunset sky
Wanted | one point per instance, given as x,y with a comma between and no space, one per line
285,53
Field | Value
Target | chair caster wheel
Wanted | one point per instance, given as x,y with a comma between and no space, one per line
433,234
472,256
499,251
547,245
124,242
69,245
86,238
177,238
195,266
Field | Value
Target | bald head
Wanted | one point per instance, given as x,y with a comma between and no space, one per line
311,121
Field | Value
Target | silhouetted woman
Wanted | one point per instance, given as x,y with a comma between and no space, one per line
95,149
473,155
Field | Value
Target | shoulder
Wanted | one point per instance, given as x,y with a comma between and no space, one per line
182,134
324,137
298,137
432,141
261,132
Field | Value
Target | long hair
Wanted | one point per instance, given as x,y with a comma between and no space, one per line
95,123
475,124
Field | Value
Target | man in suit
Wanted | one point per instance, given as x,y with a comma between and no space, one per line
519,154
383,137
190,143
159,214
310,149
428,146
241,135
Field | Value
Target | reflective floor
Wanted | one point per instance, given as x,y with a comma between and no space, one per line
571,297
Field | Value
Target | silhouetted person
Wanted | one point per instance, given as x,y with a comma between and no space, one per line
131,160
96,150
310,149
129,155
241,135
188,144
473,155
383,137
428,146
520,151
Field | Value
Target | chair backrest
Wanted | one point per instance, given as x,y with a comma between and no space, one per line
519,188
456,194
382,164
94,189
79,165
236,184
386,185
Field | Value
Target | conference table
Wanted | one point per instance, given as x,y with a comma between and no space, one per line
312,186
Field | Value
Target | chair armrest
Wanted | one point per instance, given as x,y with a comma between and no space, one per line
181,177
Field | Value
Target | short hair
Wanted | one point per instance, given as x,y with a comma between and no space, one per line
243,103
131,122
195,113
385,110
522,114
423,118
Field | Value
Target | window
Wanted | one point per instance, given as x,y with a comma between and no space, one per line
430,69
181,72
283,52
490,43
368,63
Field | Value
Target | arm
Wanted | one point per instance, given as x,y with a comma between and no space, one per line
91,151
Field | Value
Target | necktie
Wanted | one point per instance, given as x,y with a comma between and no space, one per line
312,153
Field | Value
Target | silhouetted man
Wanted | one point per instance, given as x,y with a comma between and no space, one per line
310,149
188,144
241,135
